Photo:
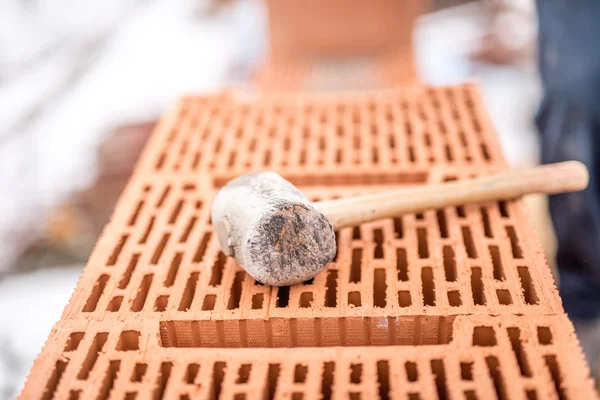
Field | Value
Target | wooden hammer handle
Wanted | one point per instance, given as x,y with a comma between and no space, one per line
561,177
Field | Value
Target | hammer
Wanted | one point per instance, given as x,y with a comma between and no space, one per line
280,238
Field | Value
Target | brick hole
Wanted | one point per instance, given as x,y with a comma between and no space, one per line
136,213
469,243
147,188
378,235
189,292
450,178
302,157
300,373
244,373
422,243
309,282
142,293
477,288
129,271
114,305
497,263
160,162
442,224
356,265
438,370
191,373
531,394
75,394
398,229
412,373
449,263
414,396
239,396
354,396
97,291
272,380
128,341
374,155
428,286
231,161
356,233
188,230
514,335
59,368
176,211
420,216
196,160
109,379
163,378
493,366
146,234
92,355
504,297
383,379
354,299
544,335
257,301
208,304
392,142
267,158
74,340
485,219
306,300
470,395
454,298
379,288
411,154
173,269
356,373
114,256
163,197
449,155
484,336
161,302
327,380
485,152
216,275
466,371
235,294
517,252
356,142
138,372
283,297
404,299
159,249
199,256
402,264
503,207
461,212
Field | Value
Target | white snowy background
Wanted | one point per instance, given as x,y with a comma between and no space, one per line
72,71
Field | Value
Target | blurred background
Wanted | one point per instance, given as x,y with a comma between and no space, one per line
82,86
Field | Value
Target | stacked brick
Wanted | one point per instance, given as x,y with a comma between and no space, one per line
319,45
451,303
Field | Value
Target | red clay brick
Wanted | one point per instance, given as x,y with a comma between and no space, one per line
505,357
424,292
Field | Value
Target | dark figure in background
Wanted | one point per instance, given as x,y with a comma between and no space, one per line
569,124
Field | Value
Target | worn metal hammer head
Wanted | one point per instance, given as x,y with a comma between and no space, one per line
272,230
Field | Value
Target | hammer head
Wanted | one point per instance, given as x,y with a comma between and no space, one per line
272,230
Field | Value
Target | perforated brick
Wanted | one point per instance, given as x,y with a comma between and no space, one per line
421,288
507,357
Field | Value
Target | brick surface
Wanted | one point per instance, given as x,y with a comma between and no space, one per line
453,303
508,357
